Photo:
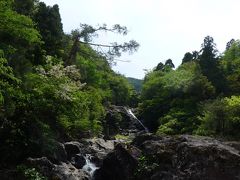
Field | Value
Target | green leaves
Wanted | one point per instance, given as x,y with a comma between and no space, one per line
175,93
49,101
48,22
230,66
56,90
8,83
14,25
220,117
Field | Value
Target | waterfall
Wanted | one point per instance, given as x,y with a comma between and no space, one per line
89,166
131,113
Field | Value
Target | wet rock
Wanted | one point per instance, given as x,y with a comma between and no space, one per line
183,157
63,171
98,144
234,144
98,148
189,157
67,171
118,165
42,164
140,138
78,161
119,121
59,154
72,148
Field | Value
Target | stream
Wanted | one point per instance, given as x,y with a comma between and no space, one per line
134,117
89,167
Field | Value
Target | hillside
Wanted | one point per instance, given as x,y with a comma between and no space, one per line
65,114
137,83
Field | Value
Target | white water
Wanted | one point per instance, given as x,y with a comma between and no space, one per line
89,166
131,113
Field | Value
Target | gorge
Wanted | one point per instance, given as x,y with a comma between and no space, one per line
66,114
146,156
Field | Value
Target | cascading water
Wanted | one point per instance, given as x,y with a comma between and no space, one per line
89,166
131,113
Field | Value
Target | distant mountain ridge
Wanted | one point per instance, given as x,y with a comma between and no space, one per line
137,83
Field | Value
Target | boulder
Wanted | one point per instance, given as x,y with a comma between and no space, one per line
119,120
188,157
67,171
117,165
72,148
98,148
233,144
42,164
78,161
184,157
62,171
59,154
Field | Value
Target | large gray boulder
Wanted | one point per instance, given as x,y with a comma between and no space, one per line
62,171
118,120
72,148
117,165
183,157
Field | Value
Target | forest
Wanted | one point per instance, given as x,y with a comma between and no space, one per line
52,86
56,87
201,96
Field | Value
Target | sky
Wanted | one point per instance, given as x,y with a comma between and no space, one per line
163,28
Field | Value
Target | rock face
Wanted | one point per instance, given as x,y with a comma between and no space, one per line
172,158
70,162
60,153
118,120
63,171
147,157
118,165
72,148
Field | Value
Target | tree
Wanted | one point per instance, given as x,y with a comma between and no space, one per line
85,34
174,96
230,67
9,95
49,24
43,101
15,28
190,57
169,63
220,117
230,43
187,57
165,67
160,67
208,61
8,82
24,7
208,55
18,38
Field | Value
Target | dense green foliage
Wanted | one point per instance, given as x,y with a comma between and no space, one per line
29,173
230,66
43,99
200,96
49,24
220,117
55,86
173,95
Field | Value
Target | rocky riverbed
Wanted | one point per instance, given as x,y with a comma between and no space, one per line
147,157
74,160
138,155
179,157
